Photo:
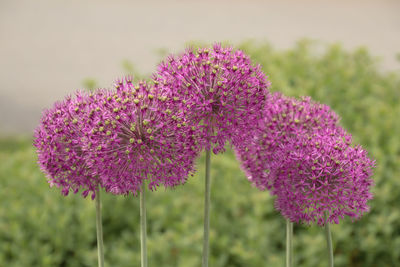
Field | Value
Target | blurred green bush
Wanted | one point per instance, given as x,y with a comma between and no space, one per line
39,227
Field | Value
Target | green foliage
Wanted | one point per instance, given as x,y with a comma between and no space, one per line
39,227
90,84
130,69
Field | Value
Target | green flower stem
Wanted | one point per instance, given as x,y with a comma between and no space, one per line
289,243
207,197
328,236
99,229
143,228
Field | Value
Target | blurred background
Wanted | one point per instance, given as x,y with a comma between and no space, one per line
342,53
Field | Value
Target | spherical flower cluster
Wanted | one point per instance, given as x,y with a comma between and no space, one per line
304,157
284,118
134,135
59,139
220,90
317,174
118,139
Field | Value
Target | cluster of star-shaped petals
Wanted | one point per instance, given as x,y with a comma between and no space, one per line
304,157
59,142
115,139
134,135
283,118
321,173
219,89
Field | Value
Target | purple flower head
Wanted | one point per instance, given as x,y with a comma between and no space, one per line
219,89
284,118
316,173
135,136
58,140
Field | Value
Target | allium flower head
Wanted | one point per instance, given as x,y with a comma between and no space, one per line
134,135
284,118
58,140
321,173
219,89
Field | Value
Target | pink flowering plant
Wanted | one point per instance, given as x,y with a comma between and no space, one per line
222,94
149,134
305,158
116,139
60,140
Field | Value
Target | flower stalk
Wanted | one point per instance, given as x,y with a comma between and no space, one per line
143,227
328,236
207,200
289,243
99,228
